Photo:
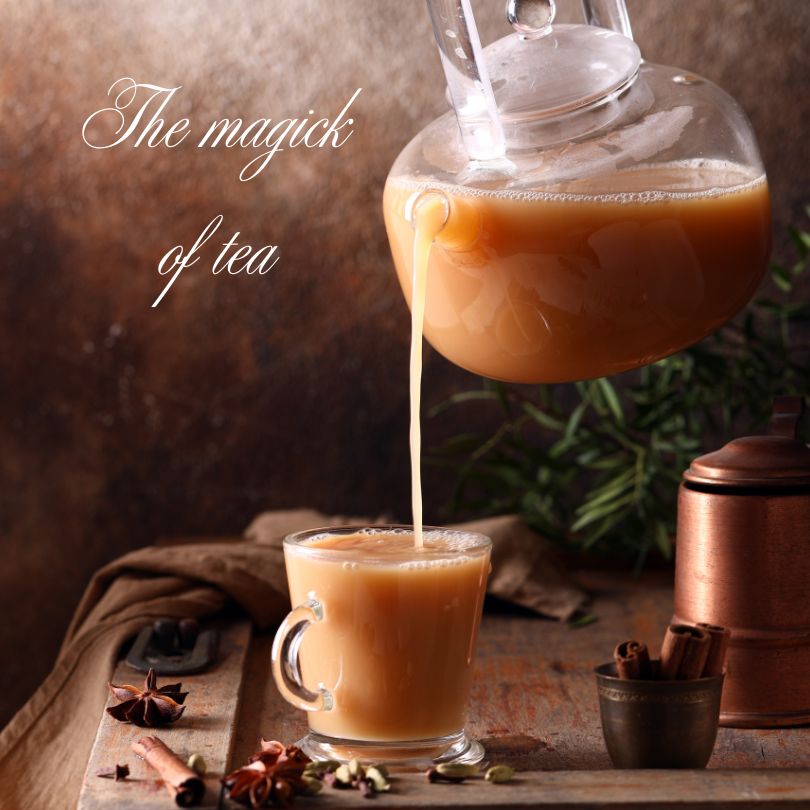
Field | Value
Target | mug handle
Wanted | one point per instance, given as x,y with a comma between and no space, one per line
286,669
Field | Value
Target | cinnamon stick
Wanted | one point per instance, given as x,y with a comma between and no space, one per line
684,652
183,784
632,660
718,647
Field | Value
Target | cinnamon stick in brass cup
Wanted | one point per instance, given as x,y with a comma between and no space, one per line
658,724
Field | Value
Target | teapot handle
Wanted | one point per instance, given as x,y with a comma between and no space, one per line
466,71
610,14
467,78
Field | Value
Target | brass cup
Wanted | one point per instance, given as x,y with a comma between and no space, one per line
658,724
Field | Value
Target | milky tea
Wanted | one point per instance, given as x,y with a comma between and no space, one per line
586,278
396,643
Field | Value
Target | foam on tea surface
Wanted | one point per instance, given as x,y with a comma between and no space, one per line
700,179
396,546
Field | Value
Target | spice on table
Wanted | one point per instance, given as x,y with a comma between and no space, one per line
451,772
312,784
499,774
455,769
687,653
378,777
632,660
718,647
278,773
119,773
684,652
183,784
197,764
150,706
368,780
456,772
318,767
274,775
343,776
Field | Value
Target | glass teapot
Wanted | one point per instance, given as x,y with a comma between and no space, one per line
600,212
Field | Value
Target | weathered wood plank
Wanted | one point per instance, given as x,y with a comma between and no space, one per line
207,728
581,790
534,706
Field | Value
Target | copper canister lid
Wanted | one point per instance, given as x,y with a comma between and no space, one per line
777,460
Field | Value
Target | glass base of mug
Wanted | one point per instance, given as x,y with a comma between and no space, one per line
453,748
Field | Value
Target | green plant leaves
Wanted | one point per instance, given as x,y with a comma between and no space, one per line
781,278
543,418
463,396
801,240
611,398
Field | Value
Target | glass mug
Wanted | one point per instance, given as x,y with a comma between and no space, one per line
379,646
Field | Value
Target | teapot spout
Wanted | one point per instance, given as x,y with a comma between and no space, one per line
457,220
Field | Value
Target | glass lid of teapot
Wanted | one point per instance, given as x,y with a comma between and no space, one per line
539,72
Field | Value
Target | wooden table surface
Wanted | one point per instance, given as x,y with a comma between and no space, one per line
534,707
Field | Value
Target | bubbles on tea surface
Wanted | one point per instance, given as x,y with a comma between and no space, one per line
730,178
350,566
451,540
317,538
429,565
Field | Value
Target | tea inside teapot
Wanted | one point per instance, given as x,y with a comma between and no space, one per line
579,281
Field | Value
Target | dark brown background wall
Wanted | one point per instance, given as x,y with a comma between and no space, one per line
121,423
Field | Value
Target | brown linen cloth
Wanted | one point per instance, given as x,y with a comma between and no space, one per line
45,748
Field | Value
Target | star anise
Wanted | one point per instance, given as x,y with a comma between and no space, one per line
274,776
150,706
119,773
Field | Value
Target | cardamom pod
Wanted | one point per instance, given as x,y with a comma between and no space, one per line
377,778
434,776
343,776
456,770
498,774
197,764
312,785
321,766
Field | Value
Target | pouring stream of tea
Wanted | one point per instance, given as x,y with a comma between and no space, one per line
429,216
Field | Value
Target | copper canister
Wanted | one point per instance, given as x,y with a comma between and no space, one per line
743,561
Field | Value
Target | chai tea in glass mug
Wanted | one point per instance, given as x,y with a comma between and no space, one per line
379,646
